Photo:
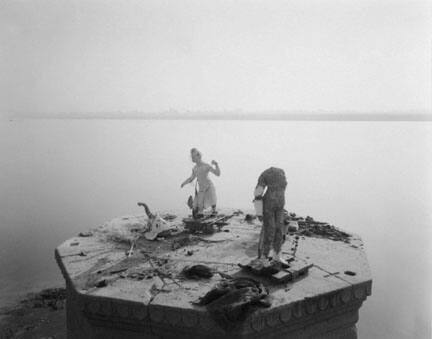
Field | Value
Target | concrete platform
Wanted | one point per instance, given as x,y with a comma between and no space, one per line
110,295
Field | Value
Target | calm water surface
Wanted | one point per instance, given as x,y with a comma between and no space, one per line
59,177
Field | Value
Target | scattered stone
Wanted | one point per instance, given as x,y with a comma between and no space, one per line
85,234
295,246
293,226
101,283
250,217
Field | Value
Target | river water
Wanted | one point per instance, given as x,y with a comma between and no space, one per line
60,177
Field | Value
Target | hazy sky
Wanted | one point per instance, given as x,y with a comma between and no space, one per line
96,56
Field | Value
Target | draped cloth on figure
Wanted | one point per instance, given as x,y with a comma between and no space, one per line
206,192
273,209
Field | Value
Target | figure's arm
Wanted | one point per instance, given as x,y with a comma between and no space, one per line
190,179
258,192
216,171
260,187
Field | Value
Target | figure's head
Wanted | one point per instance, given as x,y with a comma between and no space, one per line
195,155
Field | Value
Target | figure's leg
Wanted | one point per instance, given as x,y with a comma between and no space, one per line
199,203
268,229
213,198
210,198
279,234
260,242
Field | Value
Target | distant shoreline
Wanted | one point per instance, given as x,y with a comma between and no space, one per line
232,116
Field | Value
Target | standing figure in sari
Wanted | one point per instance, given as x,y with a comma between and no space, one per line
205,195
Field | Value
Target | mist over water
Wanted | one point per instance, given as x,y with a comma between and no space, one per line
60,177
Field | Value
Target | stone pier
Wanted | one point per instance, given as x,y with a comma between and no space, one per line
114,295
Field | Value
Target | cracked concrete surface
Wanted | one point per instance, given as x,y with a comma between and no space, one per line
152,277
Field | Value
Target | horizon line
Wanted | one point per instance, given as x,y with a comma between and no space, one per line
243,116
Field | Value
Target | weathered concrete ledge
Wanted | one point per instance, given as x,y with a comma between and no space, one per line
110,295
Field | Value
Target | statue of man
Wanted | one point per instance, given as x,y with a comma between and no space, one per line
273,211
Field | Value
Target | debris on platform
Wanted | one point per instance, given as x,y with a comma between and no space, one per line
277,272
206,225
262,267
295,246
311,228
156,225
85,234
199,259
123,230
232,300
197,272
249,218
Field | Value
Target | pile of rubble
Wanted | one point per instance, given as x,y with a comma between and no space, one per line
232,300
310,228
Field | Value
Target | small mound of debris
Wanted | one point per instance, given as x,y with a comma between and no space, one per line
123,230
208,224
197,272
310,228
263,267
231,301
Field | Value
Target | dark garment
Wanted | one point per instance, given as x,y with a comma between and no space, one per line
273,210
274,179
231,301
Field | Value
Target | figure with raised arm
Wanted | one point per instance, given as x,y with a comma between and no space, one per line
205,194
